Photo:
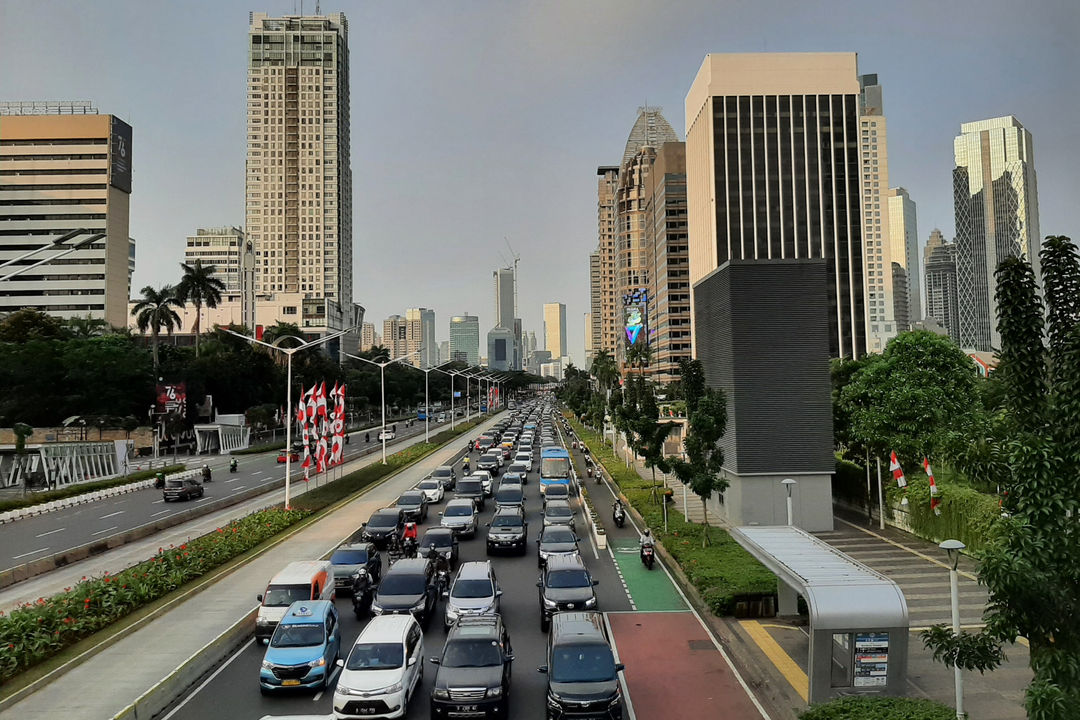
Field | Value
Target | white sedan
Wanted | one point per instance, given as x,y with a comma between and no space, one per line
387,435
432,489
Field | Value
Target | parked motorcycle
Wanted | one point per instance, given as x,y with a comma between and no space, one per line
618,514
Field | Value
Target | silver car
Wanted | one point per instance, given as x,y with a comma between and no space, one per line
460,516
558,512
475,592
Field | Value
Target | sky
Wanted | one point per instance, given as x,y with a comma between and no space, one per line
481,122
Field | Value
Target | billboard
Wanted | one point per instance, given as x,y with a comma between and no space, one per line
120,155
171,398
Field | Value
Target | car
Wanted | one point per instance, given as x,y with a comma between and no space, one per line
386,435
506,453
485,478
383,671
408,587
484,442
473,676
512,477
460,516
303,649
432,489
413,505
446,475
475,592
440,540
555,540
524,458
556,491
352,558
510,496
471,488
182,489
564,584
384,528
583,677
293,456
489,462
441,418
558,512
508,530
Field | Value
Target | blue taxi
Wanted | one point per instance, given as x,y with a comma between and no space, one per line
303,648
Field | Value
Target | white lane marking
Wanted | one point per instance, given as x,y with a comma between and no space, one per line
51,532
232,480
118,512
161,513
157,502
104,531
204,499
32,552
210,679
622,580
258,472
239,488
329,682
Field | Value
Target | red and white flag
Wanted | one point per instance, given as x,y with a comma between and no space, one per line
897,473
935,501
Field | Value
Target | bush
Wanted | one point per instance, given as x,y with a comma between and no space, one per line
966,514
849,482
81,488
854,707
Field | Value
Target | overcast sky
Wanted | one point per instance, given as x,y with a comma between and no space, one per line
478,121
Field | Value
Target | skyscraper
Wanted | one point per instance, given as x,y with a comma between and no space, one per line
997,216
395,336
233,259
904,250
299,182
555,329
465,339
605,306
500,348
505,311
367,336
420,337
940,265
592,325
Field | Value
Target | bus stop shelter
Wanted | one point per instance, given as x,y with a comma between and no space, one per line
858,617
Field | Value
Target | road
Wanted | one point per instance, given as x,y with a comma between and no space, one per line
27,540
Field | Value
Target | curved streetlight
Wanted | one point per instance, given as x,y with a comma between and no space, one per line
77,246
953,548
453,374
382,384
427,402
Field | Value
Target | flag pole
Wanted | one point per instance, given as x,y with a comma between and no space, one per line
881,496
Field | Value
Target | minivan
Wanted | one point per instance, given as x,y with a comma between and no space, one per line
300,580
583,677
303,648
383,671
475,592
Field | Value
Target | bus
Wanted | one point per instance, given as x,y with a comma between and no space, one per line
554,468
421,413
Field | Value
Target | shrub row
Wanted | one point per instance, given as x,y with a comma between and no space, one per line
723,573
966,514
81,488
879,708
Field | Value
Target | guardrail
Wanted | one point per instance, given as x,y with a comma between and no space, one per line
83,498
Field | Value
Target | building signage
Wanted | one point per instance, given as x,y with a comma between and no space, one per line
871,659
172,399
120,155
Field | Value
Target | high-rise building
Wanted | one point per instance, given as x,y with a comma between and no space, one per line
500,348
465,339
590,348
444,351
995,197
904,250
65,168
605,307
773,173
420,337
233,259
396,335
939,262
505,310
665,203
592,325
299,181
555,329
367,336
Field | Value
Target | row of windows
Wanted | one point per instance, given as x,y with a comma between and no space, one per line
67,308
91,156
52,292
55,201
44,231
54,141
73,216
68,186
39,172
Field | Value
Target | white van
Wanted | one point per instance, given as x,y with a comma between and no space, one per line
301,580
384,669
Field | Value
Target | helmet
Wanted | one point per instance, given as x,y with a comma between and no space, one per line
205,466
646,532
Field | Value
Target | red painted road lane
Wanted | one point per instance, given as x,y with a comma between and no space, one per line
673,670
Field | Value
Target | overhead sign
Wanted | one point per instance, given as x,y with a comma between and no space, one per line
120,155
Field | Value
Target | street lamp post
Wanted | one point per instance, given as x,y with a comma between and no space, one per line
789,485
77,246
289,352
55,244
453,374
427,402
952,548
382,385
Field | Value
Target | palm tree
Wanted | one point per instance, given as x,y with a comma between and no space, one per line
155,311
86,327
603,368
639,355
200,287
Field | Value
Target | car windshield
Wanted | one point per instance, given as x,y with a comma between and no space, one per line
298,635
558,535
438,540
349,557
383,520
509,496
472,589
506,521
558,511
285,595
470,486
376,656
402,585
518,468
457,511
555,468
582,663
174,484
557,492
441,472
429,485
568,579
410,499
473,652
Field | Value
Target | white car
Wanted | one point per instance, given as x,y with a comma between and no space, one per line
383,669
387,435
442,418
485,478
525,458
432,489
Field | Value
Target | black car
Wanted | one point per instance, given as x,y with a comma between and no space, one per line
473,679
508,530
446,475
472,489
408,587
564,585
384,528
440,540
583,677
185,489
351,559
490,462
509,496
413,505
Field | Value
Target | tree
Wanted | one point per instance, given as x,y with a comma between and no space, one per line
155,311
86,327
651,434
706,410
29,324
1061,286
200,287
639,355
604,369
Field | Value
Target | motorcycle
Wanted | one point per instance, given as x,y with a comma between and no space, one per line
363,592
588,470
232,465
409,547
618,514
574,444
206,475
647,556
159,480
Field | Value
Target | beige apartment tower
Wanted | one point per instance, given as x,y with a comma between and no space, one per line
603,290
233,259
555,329
395,336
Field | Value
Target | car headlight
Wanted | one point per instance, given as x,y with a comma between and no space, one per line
553,701
617,698
376,608
267,665
420,605
495,692
396,687
321,662
441,694
451,614
550,604
590,603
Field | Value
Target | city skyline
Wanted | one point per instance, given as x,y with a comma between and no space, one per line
906,47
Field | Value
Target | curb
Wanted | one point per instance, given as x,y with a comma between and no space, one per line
93,496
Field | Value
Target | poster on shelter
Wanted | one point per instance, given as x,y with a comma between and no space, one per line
871,659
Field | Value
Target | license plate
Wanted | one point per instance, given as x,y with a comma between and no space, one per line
287,683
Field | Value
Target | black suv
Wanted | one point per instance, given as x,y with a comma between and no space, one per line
488,461
508,530
408,587
564,585
446,475
583,677
472,489
384,528
185,489
473,679
355,558
441,541
413,505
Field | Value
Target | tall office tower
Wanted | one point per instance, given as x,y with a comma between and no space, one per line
878,258
555,329
939,262
904,250
773,173
592,336
500,348
233,259
608,328
444,351
590,349
665,205
367,336
519,345
65,168
420,337
531,341
505,311
997,216
395,336
299,181
465,339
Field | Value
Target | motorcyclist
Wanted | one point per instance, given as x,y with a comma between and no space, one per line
367,437
409,538
206,472
646,540
232,465
465,465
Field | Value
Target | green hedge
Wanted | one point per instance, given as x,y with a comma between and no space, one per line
966,514
724,573
849,482
878,708
81,488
